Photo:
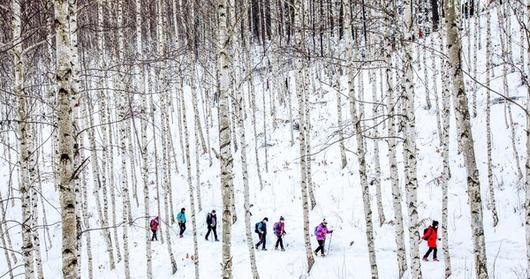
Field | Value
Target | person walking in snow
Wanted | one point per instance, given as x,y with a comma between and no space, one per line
320,232
431,235
154,227
211,222
181,220
279,231
261,230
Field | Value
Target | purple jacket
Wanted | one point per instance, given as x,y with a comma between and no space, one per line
321,232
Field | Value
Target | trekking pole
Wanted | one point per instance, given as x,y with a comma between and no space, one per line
329,244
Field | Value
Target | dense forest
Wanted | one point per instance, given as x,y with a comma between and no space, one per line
113,112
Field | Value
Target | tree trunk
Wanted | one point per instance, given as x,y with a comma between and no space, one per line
24,138
376,179
361,151
489,138
409,144
226,166
300,76
66,107
141,77
465,135
392,150
123,104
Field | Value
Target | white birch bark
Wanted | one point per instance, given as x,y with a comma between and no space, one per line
338,91
246,188
226,161
465,135
376,179
164,96
527,165
122,116
392,150
300,85
66,146
409,144
4,235
361,151
141,77
489,138
24,142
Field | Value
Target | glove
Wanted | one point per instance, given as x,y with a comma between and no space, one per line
439,239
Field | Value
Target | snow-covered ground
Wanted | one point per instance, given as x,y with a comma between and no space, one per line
338,195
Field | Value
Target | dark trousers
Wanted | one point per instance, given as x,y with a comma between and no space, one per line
429,252
153,238
182,227
279,241
320,248
262,240
210,229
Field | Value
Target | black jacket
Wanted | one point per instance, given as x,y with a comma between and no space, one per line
211,220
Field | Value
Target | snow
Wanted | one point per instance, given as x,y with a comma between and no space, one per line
338,200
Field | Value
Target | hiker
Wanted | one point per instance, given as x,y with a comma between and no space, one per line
181,219
279,231
431,235
261,230
154,227
320,233
211,222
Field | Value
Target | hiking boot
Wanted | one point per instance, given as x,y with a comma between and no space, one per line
264,249
323,255
425,259
436,260
283,250
216,239
276,248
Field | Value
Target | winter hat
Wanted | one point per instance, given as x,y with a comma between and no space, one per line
434,223
281,218
324,222
213,211
266,219
183,209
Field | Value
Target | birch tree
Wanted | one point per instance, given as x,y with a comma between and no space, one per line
361,151
465,136
489,137
300,80
527,165
392,147
446,171
66,105
24,142
226,161
409,144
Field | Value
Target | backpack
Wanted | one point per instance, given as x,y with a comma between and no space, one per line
276,227
425,232
316,228
256,229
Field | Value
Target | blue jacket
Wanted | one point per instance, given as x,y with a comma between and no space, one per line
181,217
262,227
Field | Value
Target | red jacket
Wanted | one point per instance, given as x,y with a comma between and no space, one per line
431,236
154,224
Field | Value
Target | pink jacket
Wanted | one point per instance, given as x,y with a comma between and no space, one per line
322,231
